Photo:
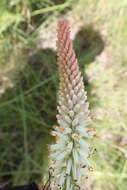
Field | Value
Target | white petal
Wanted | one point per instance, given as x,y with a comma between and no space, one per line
75,122
77,107
75,156
70,146
67,131
74,171
57,146
74,98
79,175
62,123
84,144
70,104
83,153
61,155
62,179
69,165
54,155
67,119
71,113
68,183
59,163
64,108
54,133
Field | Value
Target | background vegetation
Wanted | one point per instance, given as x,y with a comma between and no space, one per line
29,80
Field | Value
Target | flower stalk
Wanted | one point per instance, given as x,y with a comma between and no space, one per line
70,153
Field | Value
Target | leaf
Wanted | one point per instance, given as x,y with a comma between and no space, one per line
7,19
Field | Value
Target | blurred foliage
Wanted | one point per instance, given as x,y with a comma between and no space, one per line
19,24
29,81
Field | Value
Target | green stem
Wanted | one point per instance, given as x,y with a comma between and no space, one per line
52,8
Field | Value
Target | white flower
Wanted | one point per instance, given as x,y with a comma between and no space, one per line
69,156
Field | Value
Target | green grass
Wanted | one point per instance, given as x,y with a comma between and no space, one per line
27,111
107,74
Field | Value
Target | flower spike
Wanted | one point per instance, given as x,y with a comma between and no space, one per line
69,155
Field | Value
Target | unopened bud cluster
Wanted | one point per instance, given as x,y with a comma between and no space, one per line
69,155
